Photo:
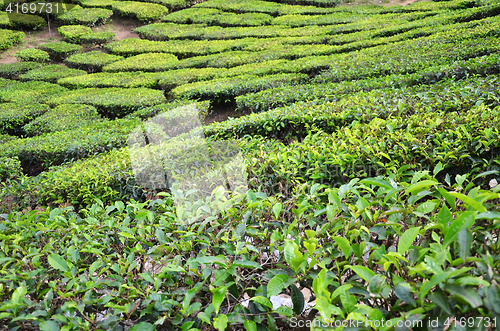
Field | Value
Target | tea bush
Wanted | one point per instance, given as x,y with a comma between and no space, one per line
86,16
14,115
107,4
226,89
63,118
20,21
172,106
91,61
59,50
31,91
112,102
63,146
32,55
9,38
211,16
51,73
145,12
143,62
118,79
12,70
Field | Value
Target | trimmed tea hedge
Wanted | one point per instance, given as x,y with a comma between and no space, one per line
32,91
14,115
81,34
107,4
144,62
59,50
112,102
212,16
145,12
118,79
272,8
5,137
51,73
226,89
62,118
86,16
10,38
91,61
172,78
63,146
32,54
21,21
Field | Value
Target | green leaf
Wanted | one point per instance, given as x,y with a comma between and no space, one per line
49,326
420,186
187,298
470,202
436,279
376,182
57,262
218,297
297,300
464,221
18,295
263,301
406,240
277,208
147,277
94,266
220,322
247,264
126,234
489,215
466,296
439,299
250,325
277,284
344,245
403,292
285,311
143,326
445,217
464,243
362,272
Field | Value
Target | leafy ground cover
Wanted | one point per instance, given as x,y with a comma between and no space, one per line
369,139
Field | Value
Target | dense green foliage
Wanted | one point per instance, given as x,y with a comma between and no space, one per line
21,21
368,137
9,38
32,54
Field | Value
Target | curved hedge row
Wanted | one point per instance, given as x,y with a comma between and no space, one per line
212,16
91,61
119,79
20,21
145,12
31,91
9,38
86,16
63,118
112,102
12,70
143,62
13,116
51,73
226,89
59,50
32,55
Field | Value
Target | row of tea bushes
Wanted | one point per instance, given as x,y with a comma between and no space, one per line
226,89
111,102
92,61
268,7
19,21
51,73
212,16
173,106
13,70
145,12
63,118
64,146
465,145
144,62
281,96
361,106
118,79
167,31
59,50
32,55
31,91
9,38
13,116
81,34
86,16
